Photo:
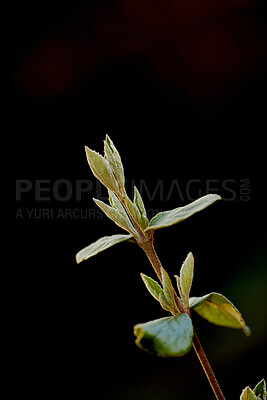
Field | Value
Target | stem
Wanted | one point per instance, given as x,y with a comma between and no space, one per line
156,264
207,368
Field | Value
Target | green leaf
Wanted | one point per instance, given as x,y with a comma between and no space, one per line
248,394
178,280
158,293
168,289
152,286
100,245
168,218
101,169
114,159
138,201
186,277
118,217
197,301
166,305
115,203
134,211
218,310
260,390
166,337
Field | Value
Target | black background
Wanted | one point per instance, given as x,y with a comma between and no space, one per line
181,89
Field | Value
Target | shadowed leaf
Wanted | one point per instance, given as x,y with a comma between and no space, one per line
166,337
260,390
248,394
218,310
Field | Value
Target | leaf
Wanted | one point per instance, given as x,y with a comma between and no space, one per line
168,218
178,281
138,201
101,169
115,203
152,286
166,337
100,245
134,211
158,293
166,305
248,394
168,289
260,390
114,159
197,301
218,310
186,277
115,215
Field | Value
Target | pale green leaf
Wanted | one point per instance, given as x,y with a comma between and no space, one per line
138,201
186,277
197,301
152,286
248,394
115,203
178,281
166,337
101,169
166,305
119,218
134,211
168,288
218,310
100,245
260,390
168,218
114,159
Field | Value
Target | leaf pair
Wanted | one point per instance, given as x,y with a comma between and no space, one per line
258,393
213,307
108,169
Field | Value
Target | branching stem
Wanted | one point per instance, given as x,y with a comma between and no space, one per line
150,252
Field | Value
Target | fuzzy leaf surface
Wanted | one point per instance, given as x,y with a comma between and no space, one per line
138,201
168,289
120,218
186,276
152,286
101,169
166,337
218,310
260,390
100,245
114,159
168,218
134,211
248,394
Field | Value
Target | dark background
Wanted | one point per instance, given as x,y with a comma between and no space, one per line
180,86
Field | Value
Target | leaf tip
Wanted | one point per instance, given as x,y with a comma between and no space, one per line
247,331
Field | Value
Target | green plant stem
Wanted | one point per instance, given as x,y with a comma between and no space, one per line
207,368
150,252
